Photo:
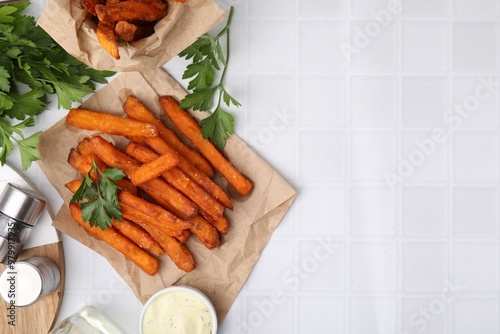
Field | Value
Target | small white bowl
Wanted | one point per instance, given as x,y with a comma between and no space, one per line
170,296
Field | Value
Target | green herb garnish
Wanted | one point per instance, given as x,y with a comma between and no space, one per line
208,59
32,66
98,196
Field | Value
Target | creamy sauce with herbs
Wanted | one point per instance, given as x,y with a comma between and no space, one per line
177,312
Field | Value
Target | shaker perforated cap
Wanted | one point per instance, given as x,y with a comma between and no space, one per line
20,204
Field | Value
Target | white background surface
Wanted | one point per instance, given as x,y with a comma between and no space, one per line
355,254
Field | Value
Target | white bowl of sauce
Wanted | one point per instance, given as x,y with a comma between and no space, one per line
178,310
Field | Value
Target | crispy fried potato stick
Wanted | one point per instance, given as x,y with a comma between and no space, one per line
129,229
137,110
161,147
152,210
106,37
157,188
130,32
112,237
221,224
179,180
205,232
191,129
144,220
108,123
153,168
130,11
83,163
175,249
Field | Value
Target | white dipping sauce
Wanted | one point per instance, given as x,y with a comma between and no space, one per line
177,312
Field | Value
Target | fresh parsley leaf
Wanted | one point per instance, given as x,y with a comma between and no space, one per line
31,58
218,126
98,196
208,58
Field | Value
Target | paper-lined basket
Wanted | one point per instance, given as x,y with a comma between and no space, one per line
69,24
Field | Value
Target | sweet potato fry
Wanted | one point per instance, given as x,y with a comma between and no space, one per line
161,147
137,110
185,234
152,210
221,224
157,188
129,229
83,163
179,180
138,235
205,232
106,37
108,123
90,5
83,146
175,249
111,236
130,11
130,32
153,168
191,129
144,220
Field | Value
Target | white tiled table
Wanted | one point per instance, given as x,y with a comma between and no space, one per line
395,153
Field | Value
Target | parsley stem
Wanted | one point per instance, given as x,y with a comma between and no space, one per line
228,39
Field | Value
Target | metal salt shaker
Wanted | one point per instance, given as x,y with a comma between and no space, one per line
19,213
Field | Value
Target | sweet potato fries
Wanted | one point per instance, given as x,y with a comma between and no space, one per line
168,193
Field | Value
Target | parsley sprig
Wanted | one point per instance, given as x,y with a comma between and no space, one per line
33,66
208,59
98,196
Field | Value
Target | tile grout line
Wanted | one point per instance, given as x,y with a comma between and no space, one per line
347,172
451,176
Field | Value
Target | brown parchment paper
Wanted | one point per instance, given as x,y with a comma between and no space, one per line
70,25
220,273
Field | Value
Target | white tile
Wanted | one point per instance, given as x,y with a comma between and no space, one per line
475,212
424,267
424,156
77,273
475,8
424,315
373,101
314,310
425,9
322,100
277,147
368,315
474,46
372,8
266,313
322,8
373,154
425,100
275,9
323,208
373,267
271,101
425,211
475,315
476,102
419,37
476,156
476,266
372,47
322,156
319,46
321,268
373,211
267,39
269,274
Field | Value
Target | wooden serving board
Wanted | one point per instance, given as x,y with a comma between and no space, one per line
39,317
